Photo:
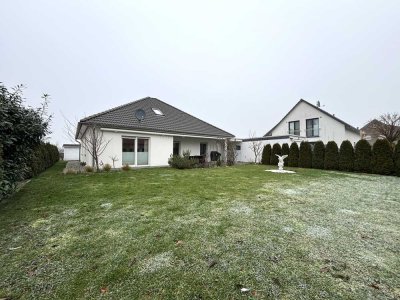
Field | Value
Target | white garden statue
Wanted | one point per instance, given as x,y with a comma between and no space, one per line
281,161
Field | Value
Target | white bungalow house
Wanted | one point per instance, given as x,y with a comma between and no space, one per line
147,132
304,122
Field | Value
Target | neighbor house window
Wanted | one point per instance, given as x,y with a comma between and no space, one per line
128,151
312,127
158,111
294,127
238,148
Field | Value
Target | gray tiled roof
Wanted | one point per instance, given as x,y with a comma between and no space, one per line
173,121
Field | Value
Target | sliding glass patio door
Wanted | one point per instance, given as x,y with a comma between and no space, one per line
143,152
135,151
128,151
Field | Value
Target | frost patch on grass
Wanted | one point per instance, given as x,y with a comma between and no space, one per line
113,233
40,222
372,258
241,209
106,205
188,220
61,240
287,229
318,232
70,212
161,260
290,192
348,212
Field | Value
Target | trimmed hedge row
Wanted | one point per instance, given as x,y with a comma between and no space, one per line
294,155
44,156
382,158
266,155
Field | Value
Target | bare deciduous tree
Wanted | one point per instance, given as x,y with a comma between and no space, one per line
255,146
388,125
92,141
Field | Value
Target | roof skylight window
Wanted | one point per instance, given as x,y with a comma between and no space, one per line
157,111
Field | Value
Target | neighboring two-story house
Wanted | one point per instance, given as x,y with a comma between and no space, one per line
304,122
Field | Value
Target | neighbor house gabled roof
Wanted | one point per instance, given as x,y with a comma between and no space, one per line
347,126
171,120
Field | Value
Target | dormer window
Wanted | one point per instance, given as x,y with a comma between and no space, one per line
158,111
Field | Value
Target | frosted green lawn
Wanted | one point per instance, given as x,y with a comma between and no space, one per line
202,234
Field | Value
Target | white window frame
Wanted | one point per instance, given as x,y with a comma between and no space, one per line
136,147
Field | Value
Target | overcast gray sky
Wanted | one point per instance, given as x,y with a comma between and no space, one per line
240,65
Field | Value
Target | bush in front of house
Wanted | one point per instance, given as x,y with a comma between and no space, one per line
362,157
89,169
183,162
305,155
318,155
331,161
382,157
346,156
276,149
293,155
266,155
107,168
125,167
397,158
285,151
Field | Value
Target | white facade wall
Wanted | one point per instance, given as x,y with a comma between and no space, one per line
245,154
160,148
329,128
71,153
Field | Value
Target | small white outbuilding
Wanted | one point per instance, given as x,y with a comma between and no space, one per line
71,151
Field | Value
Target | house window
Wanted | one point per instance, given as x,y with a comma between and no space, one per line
158,111
294,127
238,148
312,127
203,149
176,148
128,151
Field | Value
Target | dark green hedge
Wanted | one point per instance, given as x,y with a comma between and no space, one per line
285,151
331,161
266,155
362,157
21,131
382,158
44,156
397,159
346,156
305,155
318,155
276,149
293,155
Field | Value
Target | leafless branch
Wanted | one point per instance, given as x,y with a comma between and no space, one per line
388,125
255,146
